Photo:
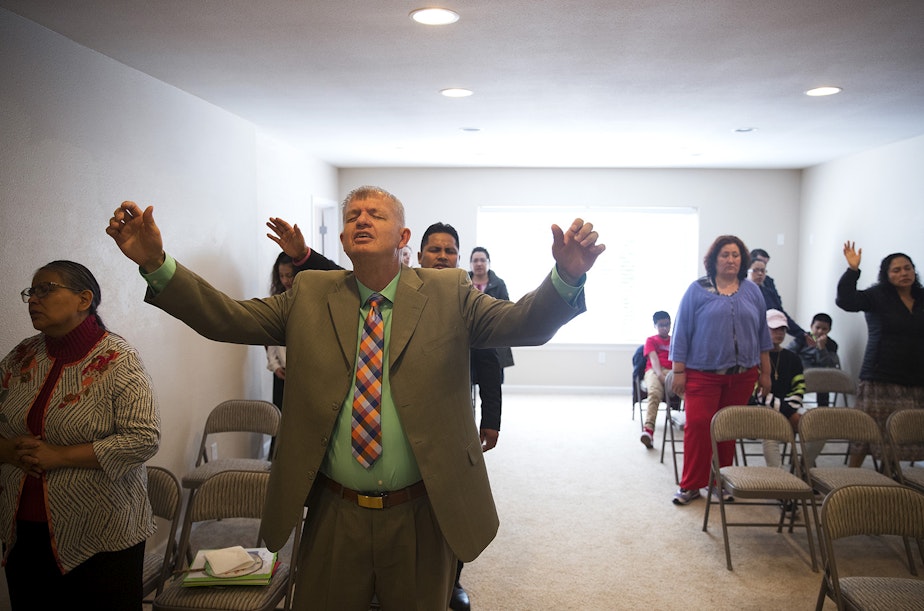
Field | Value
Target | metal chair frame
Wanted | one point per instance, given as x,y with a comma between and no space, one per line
831,380
905,427
770,485
225,495
852,425
671,425
869,510
233,416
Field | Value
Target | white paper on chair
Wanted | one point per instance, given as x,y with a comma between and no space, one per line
228,559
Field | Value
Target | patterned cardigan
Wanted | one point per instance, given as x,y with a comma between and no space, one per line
105,398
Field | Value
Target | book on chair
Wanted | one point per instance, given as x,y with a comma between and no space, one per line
235,567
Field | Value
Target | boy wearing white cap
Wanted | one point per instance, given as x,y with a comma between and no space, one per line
787,385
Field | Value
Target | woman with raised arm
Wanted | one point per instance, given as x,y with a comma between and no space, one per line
892,374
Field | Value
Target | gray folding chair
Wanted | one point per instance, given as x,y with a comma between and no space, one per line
840,424
227,495
768,485
831,380
869,510
905,437
234,416
852,425
673,424
164,496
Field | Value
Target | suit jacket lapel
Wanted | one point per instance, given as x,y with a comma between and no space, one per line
408,308
343,305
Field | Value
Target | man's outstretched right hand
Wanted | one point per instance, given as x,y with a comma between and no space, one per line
137,235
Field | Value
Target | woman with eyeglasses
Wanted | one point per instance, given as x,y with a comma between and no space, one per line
78,420
758,275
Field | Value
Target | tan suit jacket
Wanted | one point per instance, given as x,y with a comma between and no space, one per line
437,317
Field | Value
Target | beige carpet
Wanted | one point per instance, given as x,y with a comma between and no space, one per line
587,524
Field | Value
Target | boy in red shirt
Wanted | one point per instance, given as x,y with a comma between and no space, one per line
657,350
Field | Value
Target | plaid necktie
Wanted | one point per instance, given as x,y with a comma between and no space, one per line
367,395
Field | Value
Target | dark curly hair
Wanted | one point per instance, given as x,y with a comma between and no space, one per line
712,255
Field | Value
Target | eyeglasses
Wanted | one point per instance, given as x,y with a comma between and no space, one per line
42,289
758,271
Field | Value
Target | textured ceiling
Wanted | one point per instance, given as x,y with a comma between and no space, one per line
600,83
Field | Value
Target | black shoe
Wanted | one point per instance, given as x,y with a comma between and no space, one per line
459,600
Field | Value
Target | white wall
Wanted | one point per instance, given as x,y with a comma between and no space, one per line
81,133
875,199
756,205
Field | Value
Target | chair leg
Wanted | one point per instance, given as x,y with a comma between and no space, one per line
670,423
667,423
910,554
728,562
808,532
822,593
715,483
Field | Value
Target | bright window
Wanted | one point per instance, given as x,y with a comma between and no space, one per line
650,259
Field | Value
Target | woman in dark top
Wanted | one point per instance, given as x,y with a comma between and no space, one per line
892,374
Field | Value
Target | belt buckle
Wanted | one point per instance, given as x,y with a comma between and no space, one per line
370,502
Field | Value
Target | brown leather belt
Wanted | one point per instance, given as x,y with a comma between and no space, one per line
729,371
376,500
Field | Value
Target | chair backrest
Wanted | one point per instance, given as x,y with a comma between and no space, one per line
906,426
165,498
872,510
829,379
243,415
164,493
904,438
228,494
239,416
750,422
825,423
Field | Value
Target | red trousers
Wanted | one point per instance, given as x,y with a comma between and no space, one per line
704,395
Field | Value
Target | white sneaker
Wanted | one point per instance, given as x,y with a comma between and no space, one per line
728,498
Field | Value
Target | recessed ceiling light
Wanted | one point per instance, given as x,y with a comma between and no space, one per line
822,91
456,92
471,129
434,16
745,130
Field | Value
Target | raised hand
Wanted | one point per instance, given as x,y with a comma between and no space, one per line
852,256
137,236
289,237
575,250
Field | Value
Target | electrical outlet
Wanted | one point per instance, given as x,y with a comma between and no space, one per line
214,449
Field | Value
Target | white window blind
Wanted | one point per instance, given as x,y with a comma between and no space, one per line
650,259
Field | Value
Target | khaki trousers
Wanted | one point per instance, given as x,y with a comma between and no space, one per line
349,554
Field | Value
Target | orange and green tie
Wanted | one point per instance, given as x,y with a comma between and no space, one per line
367,394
